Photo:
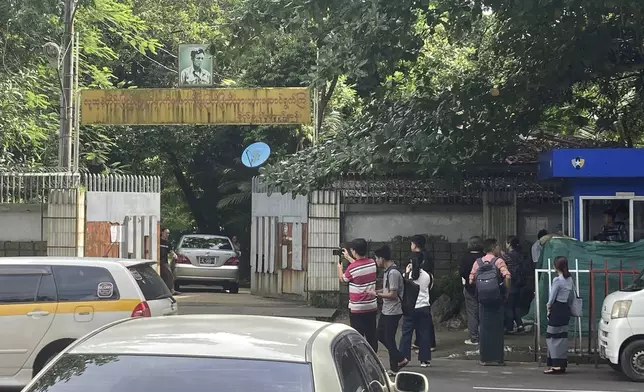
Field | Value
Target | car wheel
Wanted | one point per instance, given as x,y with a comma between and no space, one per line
233,288
44,363
632,360
615,367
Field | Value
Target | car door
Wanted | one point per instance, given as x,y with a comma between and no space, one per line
88,298
371,366
27,308
349,370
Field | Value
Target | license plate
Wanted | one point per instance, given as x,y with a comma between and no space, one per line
207,260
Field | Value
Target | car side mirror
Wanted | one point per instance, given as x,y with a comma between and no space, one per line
411,382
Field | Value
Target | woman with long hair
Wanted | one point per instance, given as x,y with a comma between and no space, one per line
558,311
421,320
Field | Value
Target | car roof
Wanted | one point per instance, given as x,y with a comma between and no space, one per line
73,261
231,336
205,236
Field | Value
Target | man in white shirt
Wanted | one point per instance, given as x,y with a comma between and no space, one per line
195,75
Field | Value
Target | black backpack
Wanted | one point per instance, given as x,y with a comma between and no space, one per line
488,282
410,294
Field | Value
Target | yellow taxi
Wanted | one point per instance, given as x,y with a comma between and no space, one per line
48,302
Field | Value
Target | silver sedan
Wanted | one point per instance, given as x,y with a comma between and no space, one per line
206,259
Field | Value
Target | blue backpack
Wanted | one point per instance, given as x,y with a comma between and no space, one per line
488,282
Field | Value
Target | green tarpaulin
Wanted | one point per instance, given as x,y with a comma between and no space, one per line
611,255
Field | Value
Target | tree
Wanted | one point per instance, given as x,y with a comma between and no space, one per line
30,88
582,75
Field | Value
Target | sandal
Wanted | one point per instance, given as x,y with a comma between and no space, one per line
554,371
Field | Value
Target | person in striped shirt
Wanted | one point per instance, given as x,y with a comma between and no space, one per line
361,277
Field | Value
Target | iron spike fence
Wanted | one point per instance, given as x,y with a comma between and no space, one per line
22,187
465,189
19,187
121,183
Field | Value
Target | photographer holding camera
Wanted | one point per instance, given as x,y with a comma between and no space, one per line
361,277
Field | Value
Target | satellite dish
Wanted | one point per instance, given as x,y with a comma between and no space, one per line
255,154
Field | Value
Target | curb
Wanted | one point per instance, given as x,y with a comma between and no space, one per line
514,355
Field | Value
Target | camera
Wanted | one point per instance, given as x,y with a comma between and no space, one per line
338,251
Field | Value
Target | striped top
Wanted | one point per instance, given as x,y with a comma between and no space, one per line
361,276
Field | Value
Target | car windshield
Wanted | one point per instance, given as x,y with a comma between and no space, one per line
637,285
136,373
149,282
213,243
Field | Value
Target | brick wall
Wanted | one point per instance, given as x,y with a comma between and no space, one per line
445,254
23,248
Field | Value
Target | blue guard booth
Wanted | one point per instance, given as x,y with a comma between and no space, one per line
597,181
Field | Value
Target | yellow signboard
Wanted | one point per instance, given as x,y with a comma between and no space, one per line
221,106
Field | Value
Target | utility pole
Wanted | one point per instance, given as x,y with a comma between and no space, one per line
76,102
67,107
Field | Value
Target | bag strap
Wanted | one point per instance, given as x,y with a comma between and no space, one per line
575,291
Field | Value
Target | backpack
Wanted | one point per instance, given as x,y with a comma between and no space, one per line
410,294
488,288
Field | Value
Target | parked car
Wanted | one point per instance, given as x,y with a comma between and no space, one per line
206,259
621,330
47,302
236,353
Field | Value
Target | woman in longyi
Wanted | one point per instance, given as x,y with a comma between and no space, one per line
559,313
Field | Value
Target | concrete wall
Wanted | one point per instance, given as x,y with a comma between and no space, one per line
20,222
457,223
383,222
115,206
534,217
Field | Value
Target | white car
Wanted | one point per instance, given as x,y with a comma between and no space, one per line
48,302
221,353
621,330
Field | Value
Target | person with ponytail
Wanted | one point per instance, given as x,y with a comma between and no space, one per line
421,320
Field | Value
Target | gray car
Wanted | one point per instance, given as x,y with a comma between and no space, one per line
207,259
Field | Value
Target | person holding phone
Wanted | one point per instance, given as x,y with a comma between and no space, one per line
361,277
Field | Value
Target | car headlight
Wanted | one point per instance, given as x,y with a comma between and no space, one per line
620,309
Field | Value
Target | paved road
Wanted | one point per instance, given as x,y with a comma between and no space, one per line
447,375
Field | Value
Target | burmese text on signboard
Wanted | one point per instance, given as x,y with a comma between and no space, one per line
288,105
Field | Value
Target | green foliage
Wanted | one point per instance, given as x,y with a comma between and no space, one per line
404,87
582,75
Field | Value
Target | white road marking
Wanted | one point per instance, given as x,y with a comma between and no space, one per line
534,389
474,371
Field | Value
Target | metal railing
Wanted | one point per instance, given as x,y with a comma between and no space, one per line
24,188
121,183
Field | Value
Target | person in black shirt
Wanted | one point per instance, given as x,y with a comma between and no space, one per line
517,267
421,255
426,262
164,265
474,252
